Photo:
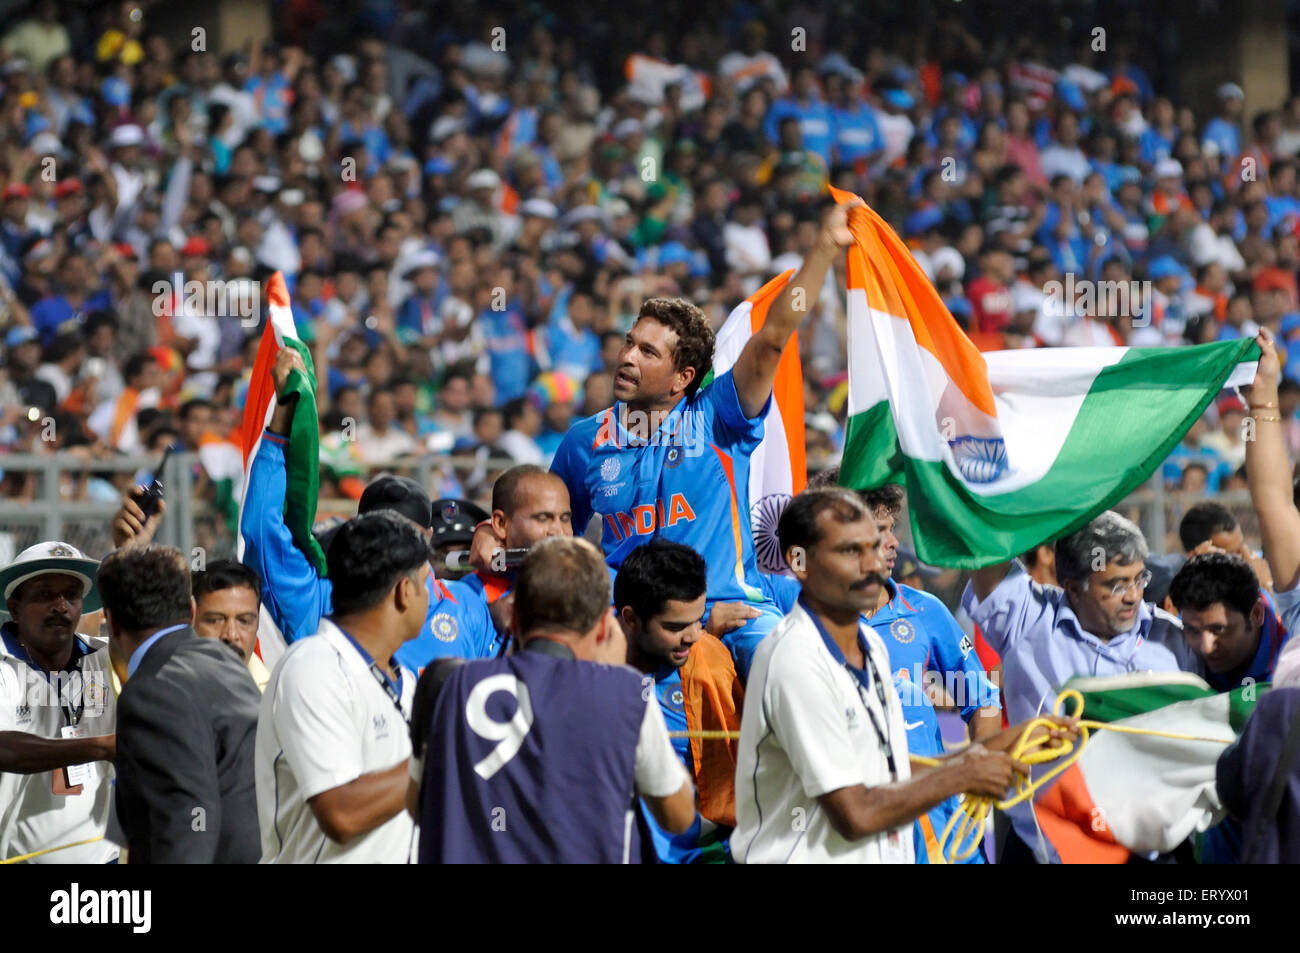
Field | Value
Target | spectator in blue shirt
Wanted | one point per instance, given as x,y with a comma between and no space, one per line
73,300
1097,624
858,138
816,121
1223,132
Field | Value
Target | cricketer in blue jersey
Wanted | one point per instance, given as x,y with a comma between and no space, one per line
671,458
659,596
540,756
296,597
529,504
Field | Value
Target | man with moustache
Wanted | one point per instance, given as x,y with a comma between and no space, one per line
824,775
1095,624
57,711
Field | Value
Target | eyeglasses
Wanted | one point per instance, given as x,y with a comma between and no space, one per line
1118,589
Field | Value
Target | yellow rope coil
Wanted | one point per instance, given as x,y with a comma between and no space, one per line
965,829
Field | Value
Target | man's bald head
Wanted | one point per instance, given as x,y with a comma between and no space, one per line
529,504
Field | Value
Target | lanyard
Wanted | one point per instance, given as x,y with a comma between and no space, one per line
393,689
79,651
873,675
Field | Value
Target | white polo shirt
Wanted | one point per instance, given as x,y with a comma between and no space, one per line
32,816
807,730
326,721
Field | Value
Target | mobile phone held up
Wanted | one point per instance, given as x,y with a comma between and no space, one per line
148,500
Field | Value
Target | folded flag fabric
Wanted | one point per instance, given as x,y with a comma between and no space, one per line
1004,450
1138,793
302,455
778,468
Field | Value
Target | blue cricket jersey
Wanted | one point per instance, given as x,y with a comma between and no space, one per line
458,624
921,635
697,845
689,483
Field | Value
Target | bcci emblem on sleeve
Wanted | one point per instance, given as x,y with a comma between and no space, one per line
905,632
444,627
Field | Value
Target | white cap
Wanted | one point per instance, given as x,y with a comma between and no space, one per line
446,126
424,258
1231,91
628,127
49,558
539,208
616,208
126,135
483,179
583,213
950,258
1169,169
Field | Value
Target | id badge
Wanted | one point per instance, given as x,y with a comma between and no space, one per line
894,850
74,776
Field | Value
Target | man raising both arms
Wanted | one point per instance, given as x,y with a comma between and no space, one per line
671,459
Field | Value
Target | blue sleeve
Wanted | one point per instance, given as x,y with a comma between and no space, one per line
737,429
783,590
1008,611
570,466
954,652
483,640
294,595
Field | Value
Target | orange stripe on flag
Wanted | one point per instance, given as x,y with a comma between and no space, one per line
787,390
1070,821
882,267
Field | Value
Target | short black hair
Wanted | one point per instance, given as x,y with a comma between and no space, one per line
193,404
695,337
798,523
1202,521
369,555
225,574
888,497
505,491
660,571
135,364
146,588
1215,577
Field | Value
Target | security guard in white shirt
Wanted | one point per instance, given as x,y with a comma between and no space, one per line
57,712
823,774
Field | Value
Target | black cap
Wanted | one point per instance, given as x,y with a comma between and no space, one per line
454,521
400,494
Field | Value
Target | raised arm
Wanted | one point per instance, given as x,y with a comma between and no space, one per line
1268,472
755,369
294,595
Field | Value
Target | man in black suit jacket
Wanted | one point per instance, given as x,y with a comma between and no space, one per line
187,720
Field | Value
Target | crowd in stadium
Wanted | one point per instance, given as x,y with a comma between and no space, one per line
467,232
489,233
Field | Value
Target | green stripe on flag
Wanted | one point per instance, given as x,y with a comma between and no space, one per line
302,460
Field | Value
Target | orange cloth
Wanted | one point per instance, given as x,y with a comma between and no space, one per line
714,699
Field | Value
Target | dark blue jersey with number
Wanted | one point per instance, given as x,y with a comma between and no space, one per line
531,759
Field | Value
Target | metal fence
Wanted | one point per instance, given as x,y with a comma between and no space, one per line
53,502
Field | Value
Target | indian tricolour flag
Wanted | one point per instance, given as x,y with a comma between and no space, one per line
778,468
1142,793
1004,450
302,455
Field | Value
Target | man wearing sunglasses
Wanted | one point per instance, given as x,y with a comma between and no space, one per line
1096,624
